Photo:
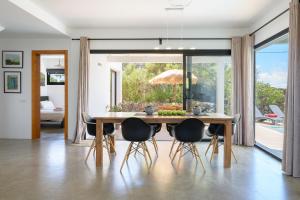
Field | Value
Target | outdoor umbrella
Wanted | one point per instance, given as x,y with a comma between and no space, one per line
171,77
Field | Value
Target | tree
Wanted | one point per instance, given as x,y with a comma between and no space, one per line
136,87
267,95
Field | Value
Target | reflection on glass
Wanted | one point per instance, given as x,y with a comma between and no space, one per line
213,89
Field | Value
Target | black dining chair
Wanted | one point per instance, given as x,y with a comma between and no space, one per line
215,131
171,130
156,127
137,132
187,133
108,132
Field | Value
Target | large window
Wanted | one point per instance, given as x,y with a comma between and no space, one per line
210,84
152,83
271,60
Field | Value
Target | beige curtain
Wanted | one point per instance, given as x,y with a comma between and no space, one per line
82,96
291,149
243,88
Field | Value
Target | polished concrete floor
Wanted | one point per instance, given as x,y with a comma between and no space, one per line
50,169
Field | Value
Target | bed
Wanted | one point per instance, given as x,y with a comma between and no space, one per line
50,115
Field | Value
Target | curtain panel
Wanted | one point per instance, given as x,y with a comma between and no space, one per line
82,95
242,53
291,147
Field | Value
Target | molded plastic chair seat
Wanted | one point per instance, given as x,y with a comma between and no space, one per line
156,127
108,132
171,128
218,130
187,133
137,131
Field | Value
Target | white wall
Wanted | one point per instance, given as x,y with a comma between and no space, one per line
99,83
15,110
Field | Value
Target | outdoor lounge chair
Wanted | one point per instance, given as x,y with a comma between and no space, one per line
276,110
260,117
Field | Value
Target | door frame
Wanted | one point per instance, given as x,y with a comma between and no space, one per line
35,71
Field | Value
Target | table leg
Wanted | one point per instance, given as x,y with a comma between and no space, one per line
112,144
99,143
227,144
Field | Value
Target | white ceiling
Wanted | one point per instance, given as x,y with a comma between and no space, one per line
16,21
151,13
63,17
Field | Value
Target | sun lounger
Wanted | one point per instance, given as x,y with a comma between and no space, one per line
260,117
276,110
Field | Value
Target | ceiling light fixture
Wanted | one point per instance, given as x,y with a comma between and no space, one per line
59,65
160,44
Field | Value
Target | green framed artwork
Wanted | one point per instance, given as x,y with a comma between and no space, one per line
12,59
12,82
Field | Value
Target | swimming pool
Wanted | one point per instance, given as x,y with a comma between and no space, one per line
274,127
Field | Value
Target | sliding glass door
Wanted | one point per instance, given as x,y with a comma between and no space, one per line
271,58
208,83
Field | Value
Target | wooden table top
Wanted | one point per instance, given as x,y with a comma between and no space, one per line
123,115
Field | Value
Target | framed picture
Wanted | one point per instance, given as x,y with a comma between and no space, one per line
55,76
12,59
12,82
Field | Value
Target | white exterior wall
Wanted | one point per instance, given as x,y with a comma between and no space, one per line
99,83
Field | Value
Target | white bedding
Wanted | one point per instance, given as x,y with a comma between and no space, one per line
52,115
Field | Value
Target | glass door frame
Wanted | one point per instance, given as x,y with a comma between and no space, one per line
186,55
257,46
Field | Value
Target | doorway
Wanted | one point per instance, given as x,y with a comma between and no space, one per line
50,91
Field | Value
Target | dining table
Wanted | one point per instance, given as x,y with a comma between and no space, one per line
119,117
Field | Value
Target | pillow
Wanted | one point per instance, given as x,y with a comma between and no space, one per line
271,115
47,105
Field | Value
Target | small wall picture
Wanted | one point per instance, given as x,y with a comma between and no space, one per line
12,59
12,82
55,76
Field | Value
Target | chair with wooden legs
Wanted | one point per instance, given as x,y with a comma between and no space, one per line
156,127
108,133
171,130
137,132
187,133
215,131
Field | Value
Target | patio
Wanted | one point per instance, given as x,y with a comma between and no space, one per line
270,137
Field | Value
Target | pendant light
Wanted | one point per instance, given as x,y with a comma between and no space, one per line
59,65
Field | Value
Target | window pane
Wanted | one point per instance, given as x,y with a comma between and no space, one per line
211,85
270,88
